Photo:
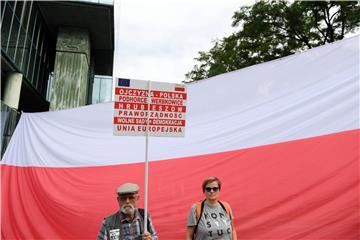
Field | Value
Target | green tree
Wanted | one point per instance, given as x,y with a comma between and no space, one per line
272,29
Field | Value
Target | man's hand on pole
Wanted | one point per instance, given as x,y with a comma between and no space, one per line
146,236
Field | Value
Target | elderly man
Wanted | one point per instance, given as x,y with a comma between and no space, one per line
128,223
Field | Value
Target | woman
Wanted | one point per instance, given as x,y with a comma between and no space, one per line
211,218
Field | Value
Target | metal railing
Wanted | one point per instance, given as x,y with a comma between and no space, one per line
9,120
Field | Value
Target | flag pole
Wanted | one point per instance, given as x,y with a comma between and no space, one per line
147,159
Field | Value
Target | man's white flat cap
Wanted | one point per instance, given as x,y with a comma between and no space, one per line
127,188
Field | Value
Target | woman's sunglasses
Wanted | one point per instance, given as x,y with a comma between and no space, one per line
214,189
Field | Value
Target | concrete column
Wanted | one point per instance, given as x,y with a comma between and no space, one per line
71,70
12,89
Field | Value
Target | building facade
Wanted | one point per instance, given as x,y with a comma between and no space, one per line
51,54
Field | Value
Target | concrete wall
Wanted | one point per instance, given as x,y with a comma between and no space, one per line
13,82
71,70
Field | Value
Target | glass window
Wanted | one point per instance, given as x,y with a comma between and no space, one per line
31,64
43,69
108,2
102,89
18,9
20,47
29,42
6,4
2,6
5,26
14,31
35,77
35,42
26,55
50,86
27,10
21,41
11,4
25,40
10,49
44,78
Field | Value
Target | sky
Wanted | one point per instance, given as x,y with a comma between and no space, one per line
157,40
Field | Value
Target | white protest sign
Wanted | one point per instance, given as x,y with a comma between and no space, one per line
163,116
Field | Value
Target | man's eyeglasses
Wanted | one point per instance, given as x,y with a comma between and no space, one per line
214,189
126,197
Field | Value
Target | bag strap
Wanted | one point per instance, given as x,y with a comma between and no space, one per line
226,208
198,215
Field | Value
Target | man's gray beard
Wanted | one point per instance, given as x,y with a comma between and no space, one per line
128,210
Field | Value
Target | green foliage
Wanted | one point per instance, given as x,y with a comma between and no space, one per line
272,29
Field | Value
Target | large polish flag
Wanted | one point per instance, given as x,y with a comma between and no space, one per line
283,137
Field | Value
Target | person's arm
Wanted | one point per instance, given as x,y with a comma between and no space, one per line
152,233
102,235
191,223
189,232
234,236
